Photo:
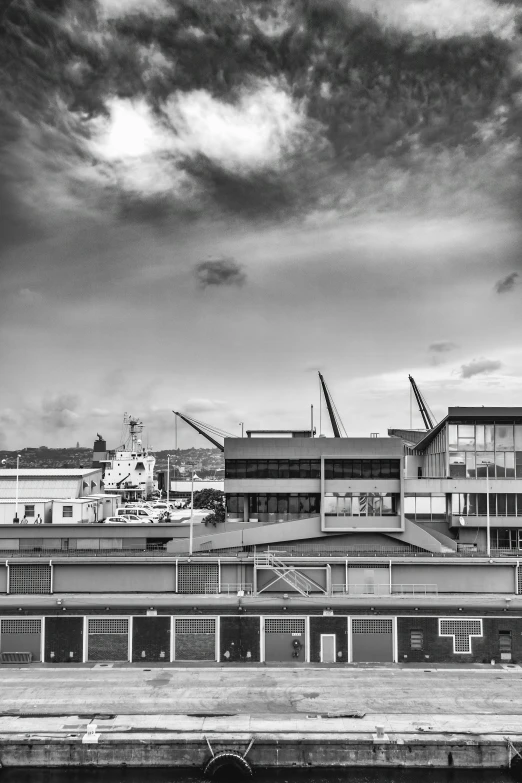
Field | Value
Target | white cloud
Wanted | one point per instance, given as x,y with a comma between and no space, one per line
111,9
203,405
252,134
27,296
445,18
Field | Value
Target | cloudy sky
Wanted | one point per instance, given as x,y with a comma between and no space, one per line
203,202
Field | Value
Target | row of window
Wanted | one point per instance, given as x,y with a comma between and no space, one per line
475,504
506,538
362,468
282,503
482,464
311,468
485,437
361,504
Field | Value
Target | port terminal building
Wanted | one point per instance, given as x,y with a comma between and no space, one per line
404,548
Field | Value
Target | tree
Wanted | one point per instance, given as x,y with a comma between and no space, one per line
209,498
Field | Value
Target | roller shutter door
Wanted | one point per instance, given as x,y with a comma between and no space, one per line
285,639
372,640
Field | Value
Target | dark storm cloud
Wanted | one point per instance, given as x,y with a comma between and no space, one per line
221,272
479,367
442,347
507,283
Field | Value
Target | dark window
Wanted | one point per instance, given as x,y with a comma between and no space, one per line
366,468
282,504
304,468
262,468
419,472
315,504
395,468
240,469
293,504
328,469
273,470
501,505
272,504
304,504
283,471
385,468
294,468
251,468
504,643
29,511
416,640
315,468
376,468
338,469
67,511
357,468
262,504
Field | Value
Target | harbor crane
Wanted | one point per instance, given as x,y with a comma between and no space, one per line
207,430
427,416
333,413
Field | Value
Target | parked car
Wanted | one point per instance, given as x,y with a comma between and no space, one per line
131,519
142,513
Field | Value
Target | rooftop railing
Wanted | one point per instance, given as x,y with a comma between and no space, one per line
385,589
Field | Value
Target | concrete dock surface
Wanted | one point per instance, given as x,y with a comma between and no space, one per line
172,716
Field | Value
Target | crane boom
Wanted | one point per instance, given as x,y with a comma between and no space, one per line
198,429
335,419
427,416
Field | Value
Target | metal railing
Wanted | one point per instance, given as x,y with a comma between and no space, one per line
236,587
384,589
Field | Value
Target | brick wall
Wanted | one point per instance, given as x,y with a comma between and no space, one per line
336,625
439,649
151,635
239,639
63,636
108,647
195,647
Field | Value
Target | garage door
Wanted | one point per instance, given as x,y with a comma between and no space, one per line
372,640
21,635
108,639
195,639
63,639
285,639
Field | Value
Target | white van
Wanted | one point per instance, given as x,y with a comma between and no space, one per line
141,514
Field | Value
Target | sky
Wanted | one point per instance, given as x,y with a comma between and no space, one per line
204,202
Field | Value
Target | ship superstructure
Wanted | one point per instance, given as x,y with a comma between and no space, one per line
129,470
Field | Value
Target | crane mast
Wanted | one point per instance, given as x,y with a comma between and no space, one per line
427,416
333,413
205,429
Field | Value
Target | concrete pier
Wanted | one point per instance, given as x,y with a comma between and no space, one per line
471,717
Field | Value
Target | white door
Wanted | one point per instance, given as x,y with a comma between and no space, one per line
328,648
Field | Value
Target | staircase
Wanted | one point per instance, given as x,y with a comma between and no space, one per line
294,578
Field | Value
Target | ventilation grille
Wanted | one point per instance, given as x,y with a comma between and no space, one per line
109,625
199,625
30,579
519,591
21,626
368,566
372,626
462,631
198,578
286,625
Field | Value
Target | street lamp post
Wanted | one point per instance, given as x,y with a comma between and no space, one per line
168,480
191,509
488,532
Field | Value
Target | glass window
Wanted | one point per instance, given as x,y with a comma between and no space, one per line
338,469
363,504
389,504
471,504
293,504
347,468
340,506
230,468
294,468
283,471
272,504
504,440
501,505
366,468
251,468
409,505
282,504
253,505
262,468
511,505
438,505
395,468
480,437
452,437
518,457
304,468
315,468
328,469
348,505
500,465
518,437
489,437
315,504
492,504
509,457
484,457
470,465
355,506
232,504
385,468
376,468
67,511
262,504
273,469
377,505
29,511
457,503
457,464
330,504
416,640
481,504
240,469
357,468
423,506
519,506
467,431
304,504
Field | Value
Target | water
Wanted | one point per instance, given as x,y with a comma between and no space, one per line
370,775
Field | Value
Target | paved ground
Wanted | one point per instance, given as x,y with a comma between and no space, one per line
260,691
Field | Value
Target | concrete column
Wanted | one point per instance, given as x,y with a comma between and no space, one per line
245,508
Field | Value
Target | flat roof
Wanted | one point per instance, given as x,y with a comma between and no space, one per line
47,472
